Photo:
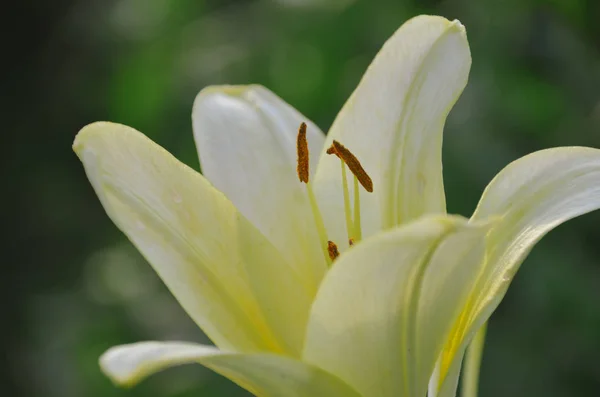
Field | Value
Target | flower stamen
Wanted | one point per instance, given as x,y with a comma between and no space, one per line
353,222
353,225
352,162
347,210
303,174
318,221
332,249
357,224
302,149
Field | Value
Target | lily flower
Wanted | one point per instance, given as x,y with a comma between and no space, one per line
326,265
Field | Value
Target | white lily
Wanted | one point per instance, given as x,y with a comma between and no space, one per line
247,253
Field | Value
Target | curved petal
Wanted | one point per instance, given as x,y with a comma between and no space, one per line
531,196
246,140
393,123
446,388
264,375
232,282
386,307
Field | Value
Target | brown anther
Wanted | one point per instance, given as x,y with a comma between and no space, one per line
353,164
302,150
351,241
332,249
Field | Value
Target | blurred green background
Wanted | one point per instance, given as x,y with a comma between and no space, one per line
72,285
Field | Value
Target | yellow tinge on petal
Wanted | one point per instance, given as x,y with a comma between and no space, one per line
529,197
264,375
386,307
231,280
246,141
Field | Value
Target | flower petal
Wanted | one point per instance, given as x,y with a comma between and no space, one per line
264,375
446,388
531,196
246,140
393,123
386,307
232,282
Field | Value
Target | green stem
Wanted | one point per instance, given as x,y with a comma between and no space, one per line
472,364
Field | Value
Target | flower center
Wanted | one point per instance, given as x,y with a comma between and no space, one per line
352,215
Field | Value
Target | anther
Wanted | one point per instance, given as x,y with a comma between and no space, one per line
302,150
350,241
353,164
333,250
303,172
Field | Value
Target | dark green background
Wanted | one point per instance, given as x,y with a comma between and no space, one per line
71,285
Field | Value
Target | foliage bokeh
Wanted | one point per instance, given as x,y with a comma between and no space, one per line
73,286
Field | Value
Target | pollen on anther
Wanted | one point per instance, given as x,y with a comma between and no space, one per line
302,150
332,249
353,164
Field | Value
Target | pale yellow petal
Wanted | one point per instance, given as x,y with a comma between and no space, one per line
393,123
448,387
232,282
127,365
387,306
531,196
246,140
264,375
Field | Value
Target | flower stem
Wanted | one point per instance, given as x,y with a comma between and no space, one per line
470,381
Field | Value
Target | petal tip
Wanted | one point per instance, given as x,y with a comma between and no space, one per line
90,131
219,95
455,24
108,363
233,90
459,27
236,91
458,24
